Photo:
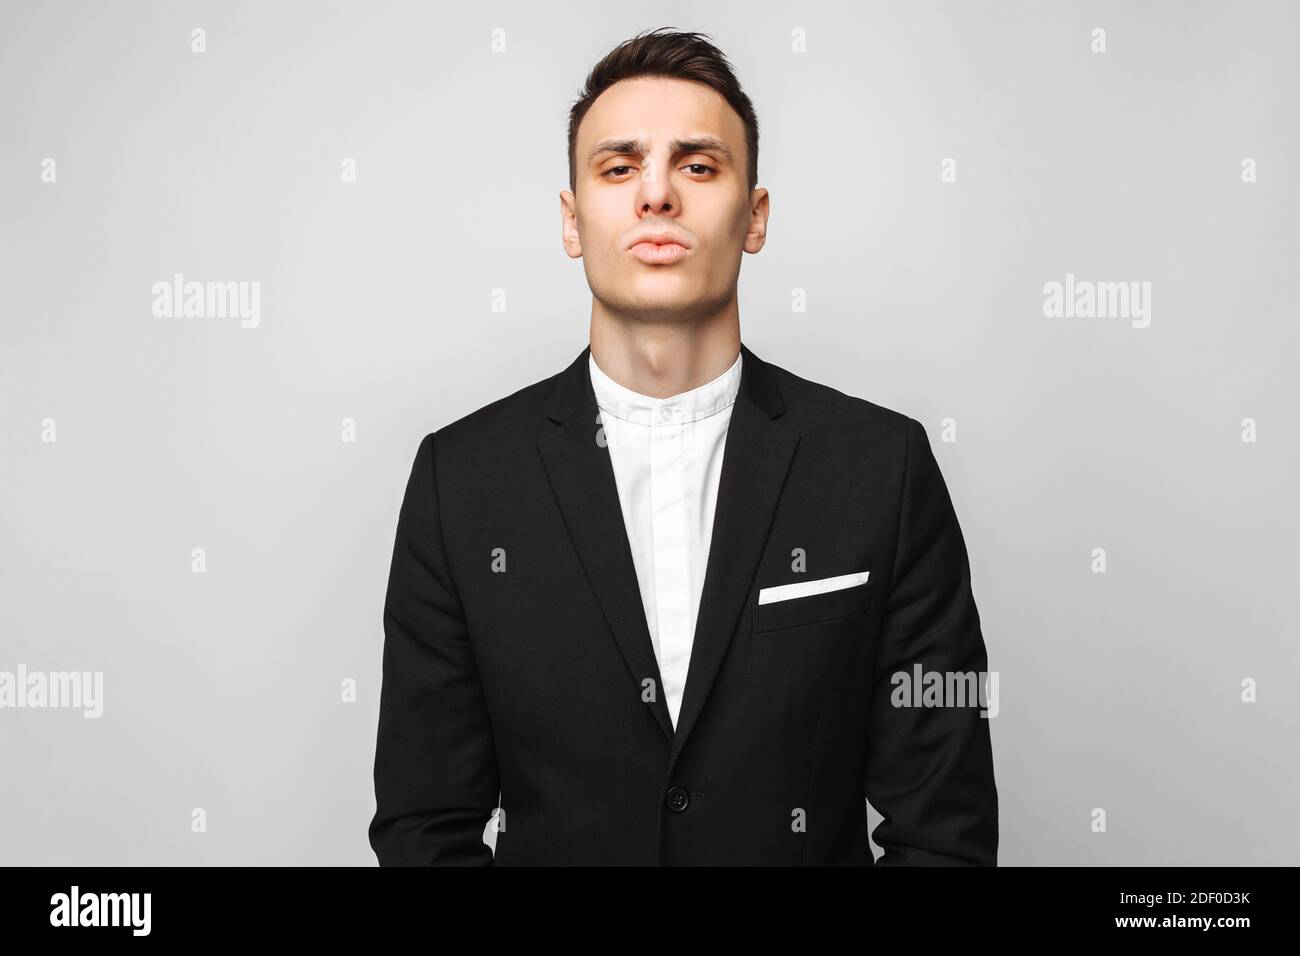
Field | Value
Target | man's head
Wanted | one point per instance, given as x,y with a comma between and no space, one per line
663,148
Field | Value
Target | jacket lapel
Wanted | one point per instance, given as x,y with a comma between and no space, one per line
755,462
756,459
582,478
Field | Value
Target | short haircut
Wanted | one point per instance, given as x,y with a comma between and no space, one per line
668,53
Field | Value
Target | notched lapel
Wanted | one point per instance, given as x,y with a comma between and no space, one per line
755,462
581,474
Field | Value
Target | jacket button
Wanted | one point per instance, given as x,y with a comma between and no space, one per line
678,799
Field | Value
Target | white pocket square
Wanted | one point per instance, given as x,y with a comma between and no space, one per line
784,592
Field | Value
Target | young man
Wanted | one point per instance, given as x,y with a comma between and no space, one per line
650,610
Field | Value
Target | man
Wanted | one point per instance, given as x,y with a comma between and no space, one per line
649,610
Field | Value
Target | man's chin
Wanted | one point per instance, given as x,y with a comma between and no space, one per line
660,308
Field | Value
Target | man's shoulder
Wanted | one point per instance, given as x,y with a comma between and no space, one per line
517,416
847,430
813,404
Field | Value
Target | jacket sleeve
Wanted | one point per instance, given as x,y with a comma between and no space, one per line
929,770
436,781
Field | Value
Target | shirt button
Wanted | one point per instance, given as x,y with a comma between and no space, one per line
678,799
666,413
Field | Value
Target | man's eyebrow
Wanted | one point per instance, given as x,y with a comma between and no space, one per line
697,144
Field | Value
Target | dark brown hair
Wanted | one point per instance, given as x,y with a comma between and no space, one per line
665,52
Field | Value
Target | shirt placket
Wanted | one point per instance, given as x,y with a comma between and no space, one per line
671,550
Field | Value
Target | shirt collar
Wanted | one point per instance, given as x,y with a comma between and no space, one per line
701,402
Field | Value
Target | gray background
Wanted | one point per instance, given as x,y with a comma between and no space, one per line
222,690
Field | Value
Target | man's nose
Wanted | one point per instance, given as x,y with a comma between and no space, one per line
656,192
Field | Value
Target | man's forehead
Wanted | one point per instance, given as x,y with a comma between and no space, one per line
655,111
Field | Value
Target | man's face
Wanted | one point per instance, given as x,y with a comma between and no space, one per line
664,159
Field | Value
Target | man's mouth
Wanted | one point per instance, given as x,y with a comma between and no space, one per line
659,254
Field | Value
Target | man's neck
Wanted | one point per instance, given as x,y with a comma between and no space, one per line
663,359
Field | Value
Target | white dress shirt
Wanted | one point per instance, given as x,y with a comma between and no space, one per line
667,458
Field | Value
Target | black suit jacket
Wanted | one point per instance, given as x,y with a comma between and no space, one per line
518,666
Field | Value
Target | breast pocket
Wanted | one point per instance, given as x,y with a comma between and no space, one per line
812,602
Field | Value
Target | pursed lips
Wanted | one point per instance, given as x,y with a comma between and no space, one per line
659,250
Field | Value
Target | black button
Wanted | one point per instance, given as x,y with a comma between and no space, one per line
678,799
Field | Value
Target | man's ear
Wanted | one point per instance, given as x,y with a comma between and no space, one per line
758,213
569,224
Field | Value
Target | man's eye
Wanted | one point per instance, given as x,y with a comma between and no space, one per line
702,168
